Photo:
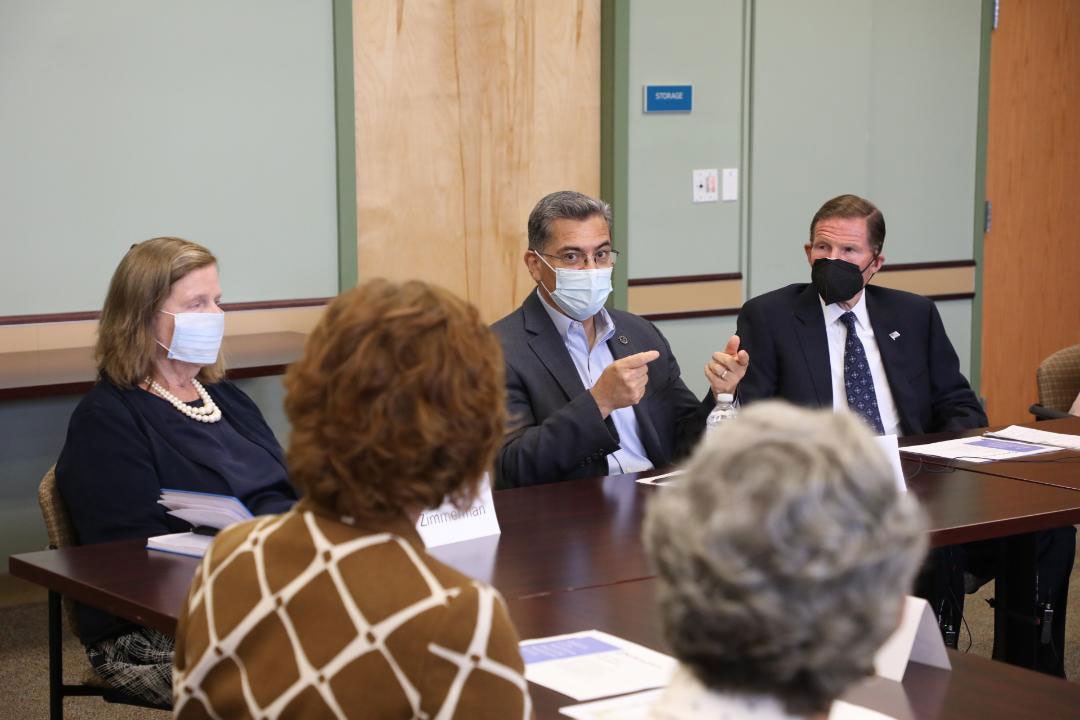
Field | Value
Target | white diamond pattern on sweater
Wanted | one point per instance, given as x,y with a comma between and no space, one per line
370,636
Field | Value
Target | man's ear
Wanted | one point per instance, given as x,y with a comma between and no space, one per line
878,262
534,265
807,247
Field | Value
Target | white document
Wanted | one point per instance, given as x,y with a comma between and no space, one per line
660,479
185,543
917,639
447,524
627,707
980,449
1031,435
841,710
888,445
205,509
592,664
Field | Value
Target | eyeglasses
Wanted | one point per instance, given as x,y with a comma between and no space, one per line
579,260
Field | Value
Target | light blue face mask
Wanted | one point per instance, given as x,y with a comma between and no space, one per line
579,293
196,337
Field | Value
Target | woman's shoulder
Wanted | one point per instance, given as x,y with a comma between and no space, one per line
103,400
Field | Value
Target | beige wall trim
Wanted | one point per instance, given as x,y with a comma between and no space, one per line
929,281
82,333
682,297
95,314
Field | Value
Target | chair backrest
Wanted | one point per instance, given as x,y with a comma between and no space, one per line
57,522
1058,379
58,525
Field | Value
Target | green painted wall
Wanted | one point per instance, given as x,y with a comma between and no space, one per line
695,42
875,98
814,99
130,119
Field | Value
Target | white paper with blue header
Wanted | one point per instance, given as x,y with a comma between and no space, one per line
592,664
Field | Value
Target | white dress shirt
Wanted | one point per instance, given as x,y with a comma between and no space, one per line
590,364
837,334
686,698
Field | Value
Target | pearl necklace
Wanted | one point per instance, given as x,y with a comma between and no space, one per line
208,413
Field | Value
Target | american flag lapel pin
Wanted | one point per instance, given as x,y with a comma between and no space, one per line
894,334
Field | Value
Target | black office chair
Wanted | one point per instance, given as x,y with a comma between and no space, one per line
1058,380
62,534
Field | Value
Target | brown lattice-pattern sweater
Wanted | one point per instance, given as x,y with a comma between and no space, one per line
303,615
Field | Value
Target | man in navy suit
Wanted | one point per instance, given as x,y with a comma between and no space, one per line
591,391
838,342
798,335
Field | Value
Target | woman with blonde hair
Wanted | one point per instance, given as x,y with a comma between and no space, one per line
334,609
161,415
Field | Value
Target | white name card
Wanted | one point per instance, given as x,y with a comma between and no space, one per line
888,445
446,524
917,639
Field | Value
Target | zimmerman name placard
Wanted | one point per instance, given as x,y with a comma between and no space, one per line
446,524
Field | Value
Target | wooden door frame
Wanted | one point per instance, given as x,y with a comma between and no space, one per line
980,200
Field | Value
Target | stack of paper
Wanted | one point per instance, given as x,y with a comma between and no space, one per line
204,509
980,449
1031,435
185,543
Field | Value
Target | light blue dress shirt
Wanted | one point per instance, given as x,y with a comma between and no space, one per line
590,363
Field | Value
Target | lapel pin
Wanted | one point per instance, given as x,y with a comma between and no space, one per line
894,334
624,340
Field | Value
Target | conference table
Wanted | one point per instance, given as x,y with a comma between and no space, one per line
570,557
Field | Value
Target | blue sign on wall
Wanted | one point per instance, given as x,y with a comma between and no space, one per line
669,98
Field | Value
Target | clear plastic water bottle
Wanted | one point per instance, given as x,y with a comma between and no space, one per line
724,411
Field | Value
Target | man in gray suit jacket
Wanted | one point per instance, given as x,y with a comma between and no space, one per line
591,391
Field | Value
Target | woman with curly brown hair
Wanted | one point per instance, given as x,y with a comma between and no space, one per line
334,609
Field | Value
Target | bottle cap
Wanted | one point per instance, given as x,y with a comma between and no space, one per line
725,397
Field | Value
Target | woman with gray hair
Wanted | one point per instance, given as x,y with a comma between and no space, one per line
784,556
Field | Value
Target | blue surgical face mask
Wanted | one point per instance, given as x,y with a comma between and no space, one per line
196,337
579,293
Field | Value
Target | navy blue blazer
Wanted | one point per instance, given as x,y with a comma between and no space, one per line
555,429
784,332
115,461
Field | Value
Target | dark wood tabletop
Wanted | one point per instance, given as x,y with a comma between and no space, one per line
67,371
976,688
555,538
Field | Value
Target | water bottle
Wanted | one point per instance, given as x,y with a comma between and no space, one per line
724,411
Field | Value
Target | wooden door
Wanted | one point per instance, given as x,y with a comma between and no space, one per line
467,113
1031,270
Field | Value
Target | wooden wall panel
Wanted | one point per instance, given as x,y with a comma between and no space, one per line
1031,274
466,114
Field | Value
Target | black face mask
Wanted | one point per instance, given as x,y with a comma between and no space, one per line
837,280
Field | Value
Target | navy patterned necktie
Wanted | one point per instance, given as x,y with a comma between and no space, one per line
858,383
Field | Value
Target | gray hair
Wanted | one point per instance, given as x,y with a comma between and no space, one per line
562,205
784,555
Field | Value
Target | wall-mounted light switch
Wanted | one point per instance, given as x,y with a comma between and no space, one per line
706,185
